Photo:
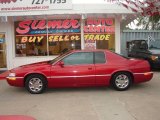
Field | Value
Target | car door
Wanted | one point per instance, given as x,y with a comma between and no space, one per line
82,66
101,69
78,70
62,76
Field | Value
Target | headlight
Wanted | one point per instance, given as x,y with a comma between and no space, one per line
153,57
12,74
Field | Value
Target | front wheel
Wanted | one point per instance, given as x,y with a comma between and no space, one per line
35,84
121,81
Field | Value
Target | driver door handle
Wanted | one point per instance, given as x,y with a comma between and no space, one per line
89,68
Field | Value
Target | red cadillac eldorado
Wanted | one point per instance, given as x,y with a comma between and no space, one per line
81,68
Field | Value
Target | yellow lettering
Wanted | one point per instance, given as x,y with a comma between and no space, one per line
60,38
107,37
56,38
77,37
73,37
40,38
24,39
102,37
32,39
96,37
66,38
50,38
91,37
86,37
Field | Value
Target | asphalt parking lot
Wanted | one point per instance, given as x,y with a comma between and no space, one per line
141,102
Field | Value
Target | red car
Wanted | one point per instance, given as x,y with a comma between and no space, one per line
81,68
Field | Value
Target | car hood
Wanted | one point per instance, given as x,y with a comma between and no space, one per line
31,67
155,52
36,64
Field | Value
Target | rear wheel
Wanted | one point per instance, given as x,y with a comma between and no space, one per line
121,81
35,84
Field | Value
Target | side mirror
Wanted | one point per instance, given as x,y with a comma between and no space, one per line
61,63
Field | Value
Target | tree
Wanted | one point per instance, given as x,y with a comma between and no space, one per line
149,22
148,10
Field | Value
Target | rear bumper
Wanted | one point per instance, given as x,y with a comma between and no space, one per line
142,77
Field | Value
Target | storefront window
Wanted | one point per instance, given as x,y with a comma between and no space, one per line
3,63
66,38
25,48
99,34
46,37
63,46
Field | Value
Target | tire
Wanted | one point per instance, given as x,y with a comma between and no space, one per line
121,81
35,84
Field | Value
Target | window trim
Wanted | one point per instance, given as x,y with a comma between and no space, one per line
70,53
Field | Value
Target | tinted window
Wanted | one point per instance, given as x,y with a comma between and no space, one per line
79,58
100,57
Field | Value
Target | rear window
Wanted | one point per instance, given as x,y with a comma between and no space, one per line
100,57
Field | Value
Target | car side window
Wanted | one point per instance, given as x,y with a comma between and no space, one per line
100,57
79,58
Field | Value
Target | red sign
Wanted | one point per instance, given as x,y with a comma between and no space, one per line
7,1
32,31
29,26
99,26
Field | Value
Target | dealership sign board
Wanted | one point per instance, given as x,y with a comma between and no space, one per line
57,30
33,5
65,30
102,29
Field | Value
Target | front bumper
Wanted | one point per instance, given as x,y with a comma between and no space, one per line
15,81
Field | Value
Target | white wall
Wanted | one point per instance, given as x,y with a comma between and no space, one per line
117,34
77,9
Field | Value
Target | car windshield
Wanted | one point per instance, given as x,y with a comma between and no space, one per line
138,44
58,58
154,45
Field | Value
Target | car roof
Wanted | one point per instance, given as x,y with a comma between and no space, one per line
95,50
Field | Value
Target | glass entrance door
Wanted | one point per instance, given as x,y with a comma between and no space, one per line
3,63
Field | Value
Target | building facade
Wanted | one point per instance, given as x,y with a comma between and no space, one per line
43,31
